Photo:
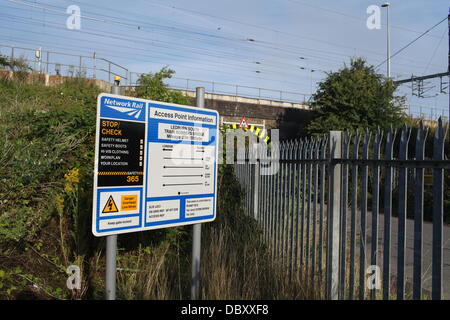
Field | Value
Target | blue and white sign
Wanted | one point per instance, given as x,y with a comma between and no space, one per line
155,165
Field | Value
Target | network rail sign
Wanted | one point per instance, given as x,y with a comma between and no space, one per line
155,165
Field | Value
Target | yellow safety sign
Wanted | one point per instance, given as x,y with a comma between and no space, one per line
129,202
110,206
260,133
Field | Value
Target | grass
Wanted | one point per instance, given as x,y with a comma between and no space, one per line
240,264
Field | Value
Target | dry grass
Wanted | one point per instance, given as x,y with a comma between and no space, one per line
143,275
245,269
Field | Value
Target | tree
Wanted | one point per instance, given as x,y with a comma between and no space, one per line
4,61
355,97
151,86
16,64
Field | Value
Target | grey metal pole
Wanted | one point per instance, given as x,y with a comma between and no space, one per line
95,65
388,45
197,228
386,5
110,280
334,217
40,60
111,252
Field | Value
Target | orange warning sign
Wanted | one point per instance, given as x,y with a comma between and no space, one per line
110,206
243,124
129,202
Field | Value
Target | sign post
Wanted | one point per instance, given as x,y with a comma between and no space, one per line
155,167
197,228
111,252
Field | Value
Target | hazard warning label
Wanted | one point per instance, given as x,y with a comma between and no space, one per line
243,124
114,203
129,202
110,206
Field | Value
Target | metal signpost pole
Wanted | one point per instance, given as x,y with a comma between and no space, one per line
197,228
111,251
110,280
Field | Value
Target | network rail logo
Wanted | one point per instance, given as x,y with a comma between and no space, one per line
132,110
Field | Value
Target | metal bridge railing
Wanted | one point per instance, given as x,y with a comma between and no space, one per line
66,64
426,112
350,211
69,64
230,89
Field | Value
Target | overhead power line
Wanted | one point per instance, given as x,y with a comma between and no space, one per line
276,47
236,64
435,50
135,26
345,14
145,58
410,43
202,50
242,41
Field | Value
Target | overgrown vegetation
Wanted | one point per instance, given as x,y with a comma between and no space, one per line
239,264
47,156
355,97
18,65
152,87
46,152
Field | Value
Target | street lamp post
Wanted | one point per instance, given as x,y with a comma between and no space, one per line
386,5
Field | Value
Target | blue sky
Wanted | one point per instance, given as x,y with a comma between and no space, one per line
280,44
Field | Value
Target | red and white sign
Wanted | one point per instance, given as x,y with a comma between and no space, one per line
244,124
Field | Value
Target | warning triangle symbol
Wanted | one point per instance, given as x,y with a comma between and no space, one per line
243,124
110,206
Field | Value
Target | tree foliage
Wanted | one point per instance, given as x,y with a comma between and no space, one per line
3,61
355,97
151,86
16,64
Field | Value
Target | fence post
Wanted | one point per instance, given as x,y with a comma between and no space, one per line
334,205
256,190
422,134
48,59
438,214
345,176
